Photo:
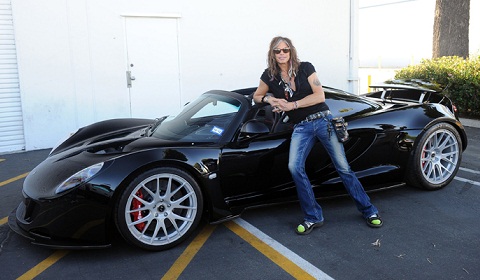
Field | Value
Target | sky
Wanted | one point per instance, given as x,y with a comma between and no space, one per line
397,33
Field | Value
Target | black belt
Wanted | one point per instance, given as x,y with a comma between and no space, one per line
318,115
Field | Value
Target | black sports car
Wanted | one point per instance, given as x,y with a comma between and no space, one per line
153,180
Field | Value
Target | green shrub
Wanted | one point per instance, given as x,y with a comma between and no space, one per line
460,79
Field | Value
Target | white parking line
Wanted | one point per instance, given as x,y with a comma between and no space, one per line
303,264
467,181
469,170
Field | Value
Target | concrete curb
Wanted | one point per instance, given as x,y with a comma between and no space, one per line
470,122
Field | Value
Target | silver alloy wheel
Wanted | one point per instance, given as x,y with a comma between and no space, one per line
161,209
440,156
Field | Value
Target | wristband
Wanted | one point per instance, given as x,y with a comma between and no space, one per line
295,105
265,99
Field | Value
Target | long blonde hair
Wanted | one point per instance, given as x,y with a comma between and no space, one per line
273,68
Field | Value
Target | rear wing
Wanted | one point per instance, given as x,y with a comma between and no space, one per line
404,93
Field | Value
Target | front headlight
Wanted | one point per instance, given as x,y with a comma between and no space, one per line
78,178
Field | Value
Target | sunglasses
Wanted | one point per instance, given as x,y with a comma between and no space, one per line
285,50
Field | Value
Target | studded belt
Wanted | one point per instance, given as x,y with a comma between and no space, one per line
315,116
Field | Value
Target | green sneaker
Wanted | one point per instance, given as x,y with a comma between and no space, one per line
374,221
306,227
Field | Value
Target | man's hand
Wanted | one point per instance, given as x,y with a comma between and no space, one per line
281,105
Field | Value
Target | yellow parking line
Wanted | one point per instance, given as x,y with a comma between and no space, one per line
2,159
3,221
186,257
13,179
279,259
41,267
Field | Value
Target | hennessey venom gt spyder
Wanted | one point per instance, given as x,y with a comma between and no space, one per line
153,180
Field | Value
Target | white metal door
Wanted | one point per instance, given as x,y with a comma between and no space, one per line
11,118
152,66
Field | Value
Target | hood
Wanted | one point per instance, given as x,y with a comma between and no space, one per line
54,170
103,131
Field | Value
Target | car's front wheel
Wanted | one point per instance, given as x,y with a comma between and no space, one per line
159,209
436,158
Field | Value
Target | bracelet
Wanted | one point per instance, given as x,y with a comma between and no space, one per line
295,105
265,99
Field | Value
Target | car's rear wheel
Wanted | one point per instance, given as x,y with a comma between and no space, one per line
436,158
159,209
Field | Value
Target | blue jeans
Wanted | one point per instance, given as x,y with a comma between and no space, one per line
304,136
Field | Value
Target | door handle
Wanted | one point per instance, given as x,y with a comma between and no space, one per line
130,78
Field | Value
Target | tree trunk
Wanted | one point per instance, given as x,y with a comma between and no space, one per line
450,28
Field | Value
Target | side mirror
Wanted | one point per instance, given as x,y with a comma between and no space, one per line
253,128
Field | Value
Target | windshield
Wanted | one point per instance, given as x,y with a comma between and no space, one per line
203,120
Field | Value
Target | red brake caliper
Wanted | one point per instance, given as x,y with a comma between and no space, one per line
136,204
423,157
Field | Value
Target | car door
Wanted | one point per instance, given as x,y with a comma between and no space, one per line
255,170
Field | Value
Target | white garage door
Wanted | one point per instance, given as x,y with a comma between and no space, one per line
11,121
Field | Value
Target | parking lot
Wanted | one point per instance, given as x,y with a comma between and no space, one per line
426,235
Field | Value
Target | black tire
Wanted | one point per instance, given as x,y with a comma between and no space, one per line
436,158
159,209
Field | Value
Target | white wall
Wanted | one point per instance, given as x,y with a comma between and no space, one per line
71,54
